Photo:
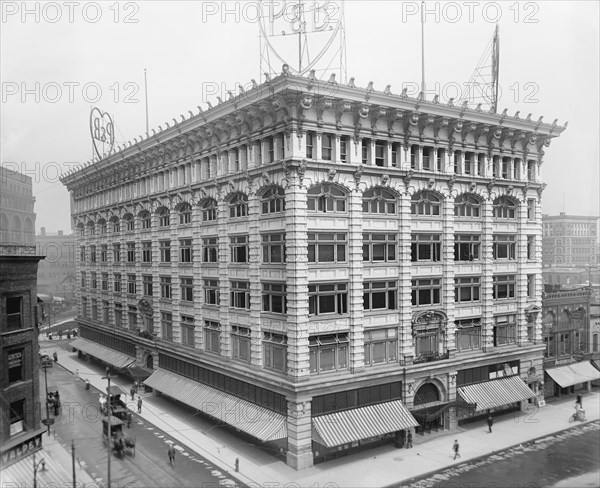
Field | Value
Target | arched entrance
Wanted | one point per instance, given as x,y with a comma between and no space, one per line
428,409
150,361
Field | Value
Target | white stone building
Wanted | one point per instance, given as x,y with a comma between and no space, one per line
324,265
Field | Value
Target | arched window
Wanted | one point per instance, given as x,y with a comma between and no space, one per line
129,222
425,203
164,217
504,208
146,219
238,206
209,210
102,226
185,214
91,228
28,231
466,205
326,198
273,200
114,220
379,201
4,228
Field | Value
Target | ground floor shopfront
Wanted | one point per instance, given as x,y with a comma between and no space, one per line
312,422
567,376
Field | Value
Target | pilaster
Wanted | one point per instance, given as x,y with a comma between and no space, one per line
487,316
404,286
299,422
355,292
448,270
255,259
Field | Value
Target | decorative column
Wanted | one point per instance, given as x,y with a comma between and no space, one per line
487,316
224,284
448,270
296,274
254,261
405,337
355,291
299,423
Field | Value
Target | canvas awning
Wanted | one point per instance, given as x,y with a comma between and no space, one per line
574,373
339,428
103,353
259,422
495,393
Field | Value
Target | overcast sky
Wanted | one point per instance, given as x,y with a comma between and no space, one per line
60,59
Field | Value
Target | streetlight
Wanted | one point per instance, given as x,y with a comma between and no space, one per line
47,421
35,468
109,415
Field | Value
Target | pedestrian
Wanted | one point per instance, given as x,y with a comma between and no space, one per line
139,404
132,391
135,385
237,464
128,420
55,356
171,455
455,448
490,422
579,401
409,440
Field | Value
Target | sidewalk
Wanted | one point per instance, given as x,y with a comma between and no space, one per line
381,466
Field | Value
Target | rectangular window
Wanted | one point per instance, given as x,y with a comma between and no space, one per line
210,250
468,334
240,295
164,220
14,359
326,248
94,280
146,252
187,289
185,250
380,346
275,351
92,254
132,317
466,289
131,284
212,336
211,292
130,225
104,284
105,317
426,247
365,151
530,286
426,291
328,353
166,290
82,254
504,246
328,298
379,248
327,147
503,287
83,279
380,154
505,330
188,333
17,417
165,251
274,298
117,283
166,323
131,252
117,252
466,247
239,249
185,216
118,315
530,209
310,142
273,246
147,284
240,343
531,247
103,253
379,295
343,149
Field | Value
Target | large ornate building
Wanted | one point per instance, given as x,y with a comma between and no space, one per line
321,266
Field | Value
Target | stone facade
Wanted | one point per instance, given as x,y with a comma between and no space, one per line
341,239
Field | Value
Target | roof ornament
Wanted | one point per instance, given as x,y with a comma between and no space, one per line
528,117
388,90
516,116
285,70
478,108
332,79
241,88
219,100
451,102
404,92
351,83
254,84
267,77
209,104
191,114
539,122
436,99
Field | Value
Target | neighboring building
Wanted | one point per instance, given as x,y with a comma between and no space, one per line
20,431
567,332
570,249
317,257
56,273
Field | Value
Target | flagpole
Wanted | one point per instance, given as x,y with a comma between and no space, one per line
146,94
423,48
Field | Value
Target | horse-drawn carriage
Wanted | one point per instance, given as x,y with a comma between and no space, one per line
121,443
118,408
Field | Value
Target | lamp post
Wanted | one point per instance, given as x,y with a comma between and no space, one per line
35,468
48,421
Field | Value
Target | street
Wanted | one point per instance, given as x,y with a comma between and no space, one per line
569,454
79,420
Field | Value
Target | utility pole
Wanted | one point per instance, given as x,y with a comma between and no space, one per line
48,421
73,462
109,415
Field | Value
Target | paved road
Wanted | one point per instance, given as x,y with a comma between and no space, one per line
79,420
566,456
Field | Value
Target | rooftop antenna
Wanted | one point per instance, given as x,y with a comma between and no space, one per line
305,36
483,85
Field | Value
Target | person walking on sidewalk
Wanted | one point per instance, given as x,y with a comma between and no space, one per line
132,391
171,455
409,440
455,448
139,404
490,422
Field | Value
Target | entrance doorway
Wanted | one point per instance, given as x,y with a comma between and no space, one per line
428,409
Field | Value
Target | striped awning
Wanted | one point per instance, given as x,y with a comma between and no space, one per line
495,393
259,422
574,373
105,354
339,428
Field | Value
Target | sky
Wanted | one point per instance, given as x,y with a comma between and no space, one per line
58,60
